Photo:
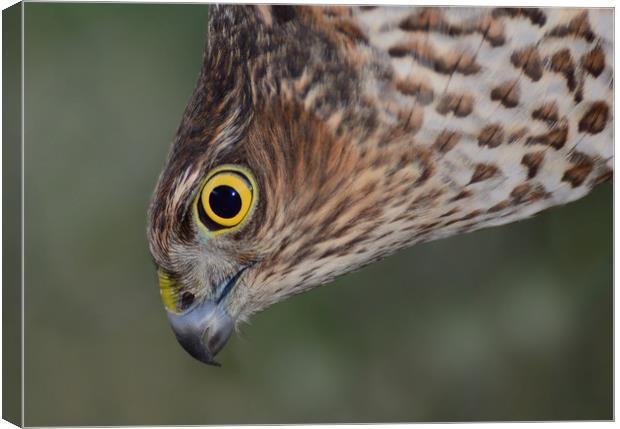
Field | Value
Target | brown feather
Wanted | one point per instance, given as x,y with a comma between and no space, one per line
369,130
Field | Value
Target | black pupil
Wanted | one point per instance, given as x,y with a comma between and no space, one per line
225,201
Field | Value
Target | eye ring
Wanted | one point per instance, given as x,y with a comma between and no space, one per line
226,198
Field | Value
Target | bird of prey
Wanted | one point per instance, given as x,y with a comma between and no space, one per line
319,139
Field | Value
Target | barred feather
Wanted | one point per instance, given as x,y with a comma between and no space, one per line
374,128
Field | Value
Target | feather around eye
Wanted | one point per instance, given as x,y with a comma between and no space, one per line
226,199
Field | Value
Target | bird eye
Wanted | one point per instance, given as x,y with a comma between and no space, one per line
226,198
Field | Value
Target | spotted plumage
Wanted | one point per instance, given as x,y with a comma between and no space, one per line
369,129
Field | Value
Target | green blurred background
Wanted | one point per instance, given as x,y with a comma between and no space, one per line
507,323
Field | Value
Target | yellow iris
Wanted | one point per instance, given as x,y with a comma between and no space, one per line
226,198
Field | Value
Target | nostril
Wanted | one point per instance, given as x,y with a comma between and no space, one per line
187,299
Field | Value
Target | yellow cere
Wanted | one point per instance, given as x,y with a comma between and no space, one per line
168,290
242,181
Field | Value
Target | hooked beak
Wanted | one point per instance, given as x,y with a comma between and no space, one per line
204,327
202,330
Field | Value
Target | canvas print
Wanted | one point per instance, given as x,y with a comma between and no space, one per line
236,214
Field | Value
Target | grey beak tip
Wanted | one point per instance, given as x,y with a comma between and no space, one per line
202,330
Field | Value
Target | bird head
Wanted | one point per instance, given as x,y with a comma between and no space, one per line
260,198
302,155
240,223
